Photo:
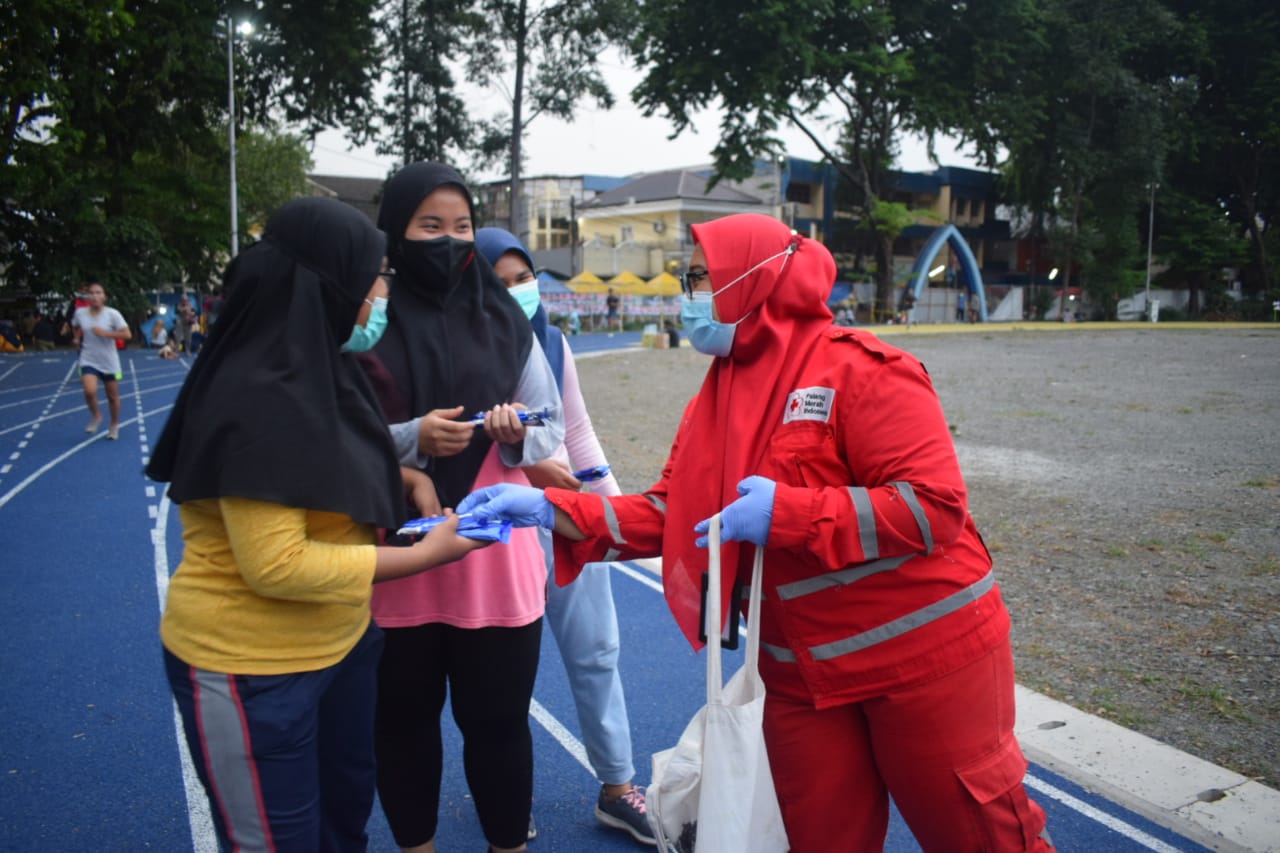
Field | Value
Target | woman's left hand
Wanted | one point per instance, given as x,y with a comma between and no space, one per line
502,423
551,473
747,519
421,491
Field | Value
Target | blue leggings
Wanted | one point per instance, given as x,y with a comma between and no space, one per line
286,760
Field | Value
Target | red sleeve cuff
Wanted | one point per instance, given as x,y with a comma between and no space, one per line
793,516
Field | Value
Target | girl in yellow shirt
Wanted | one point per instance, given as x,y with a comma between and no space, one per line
278,457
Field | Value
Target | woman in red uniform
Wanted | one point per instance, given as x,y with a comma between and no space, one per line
885,640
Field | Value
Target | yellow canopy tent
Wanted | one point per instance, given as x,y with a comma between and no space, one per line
627,282
663,284
586,282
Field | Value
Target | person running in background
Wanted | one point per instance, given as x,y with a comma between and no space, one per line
884,638
282,469
582,615
95,330
457,346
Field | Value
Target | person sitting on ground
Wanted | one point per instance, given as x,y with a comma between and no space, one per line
159,334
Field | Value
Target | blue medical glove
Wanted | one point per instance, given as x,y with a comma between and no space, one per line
748,518
523,506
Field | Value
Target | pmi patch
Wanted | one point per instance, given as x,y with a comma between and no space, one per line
809,404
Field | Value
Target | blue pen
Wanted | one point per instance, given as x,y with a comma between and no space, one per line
527,417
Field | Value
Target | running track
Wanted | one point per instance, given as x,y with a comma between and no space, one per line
91,757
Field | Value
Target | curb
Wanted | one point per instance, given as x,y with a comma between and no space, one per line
1212,806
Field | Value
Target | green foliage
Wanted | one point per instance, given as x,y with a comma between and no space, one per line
545,59
116,160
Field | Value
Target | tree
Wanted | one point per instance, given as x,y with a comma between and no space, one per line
423,116
550,52
1227,149
872,69
115,131
1085,162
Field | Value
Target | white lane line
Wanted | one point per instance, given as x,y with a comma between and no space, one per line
1116,825
1095,814
199,817
557,730
35,425
12,493
7,372
30,400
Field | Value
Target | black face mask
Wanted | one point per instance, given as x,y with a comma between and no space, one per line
436,264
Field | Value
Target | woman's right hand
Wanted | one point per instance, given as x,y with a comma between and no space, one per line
440,435
523,506
443,544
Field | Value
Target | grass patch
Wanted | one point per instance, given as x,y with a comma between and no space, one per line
1136,407
1266,567
1216,697
1116,551
1264,483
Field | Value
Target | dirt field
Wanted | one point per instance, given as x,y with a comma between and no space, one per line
1127,482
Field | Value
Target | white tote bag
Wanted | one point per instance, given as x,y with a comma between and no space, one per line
713,791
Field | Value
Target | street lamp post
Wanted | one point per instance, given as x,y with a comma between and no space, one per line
244,28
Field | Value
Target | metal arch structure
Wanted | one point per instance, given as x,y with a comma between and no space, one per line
920,270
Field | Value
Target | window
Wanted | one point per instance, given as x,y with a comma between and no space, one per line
627,233
800,193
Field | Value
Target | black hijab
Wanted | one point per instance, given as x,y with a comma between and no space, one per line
461,344
272,410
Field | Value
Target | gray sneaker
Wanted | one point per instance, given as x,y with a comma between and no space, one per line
627,813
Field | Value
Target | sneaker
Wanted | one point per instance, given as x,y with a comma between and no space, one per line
627,813
93,426
113,433
533,829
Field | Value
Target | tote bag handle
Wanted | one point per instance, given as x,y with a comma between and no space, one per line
715,676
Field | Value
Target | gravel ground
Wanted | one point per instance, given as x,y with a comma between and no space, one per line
1127,482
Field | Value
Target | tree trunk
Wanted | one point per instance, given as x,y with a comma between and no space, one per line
885,290
519,224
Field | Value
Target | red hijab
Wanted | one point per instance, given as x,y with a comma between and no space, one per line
782,306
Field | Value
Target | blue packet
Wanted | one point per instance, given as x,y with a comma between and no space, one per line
588,475
468,526
527,417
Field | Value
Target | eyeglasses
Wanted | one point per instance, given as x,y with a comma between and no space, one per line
690,278
388,274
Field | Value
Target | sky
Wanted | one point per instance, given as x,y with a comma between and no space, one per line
620,141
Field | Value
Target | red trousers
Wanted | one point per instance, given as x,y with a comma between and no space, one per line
945,751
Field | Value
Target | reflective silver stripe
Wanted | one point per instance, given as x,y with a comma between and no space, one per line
845,576
779,653
231,769
611,521
611,555
910,622
922,521
658,502
866,521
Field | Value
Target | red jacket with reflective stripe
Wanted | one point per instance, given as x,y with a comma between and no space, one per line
875,575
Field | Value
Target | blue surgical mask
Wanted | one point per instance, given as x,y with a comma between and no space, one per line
707,335
527,295
366,337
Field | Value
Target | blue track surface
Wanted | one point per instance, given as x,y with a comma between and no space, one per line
90,751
